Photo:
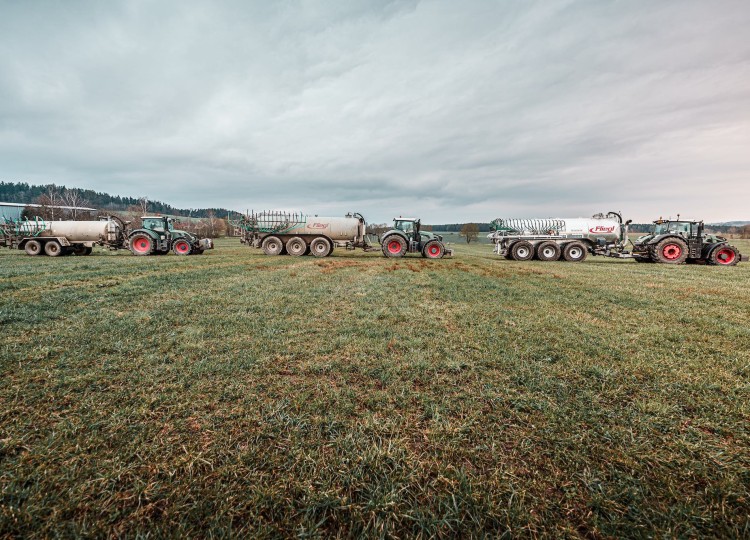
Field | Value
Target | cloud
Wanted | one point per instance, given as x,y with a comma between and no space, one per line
450,112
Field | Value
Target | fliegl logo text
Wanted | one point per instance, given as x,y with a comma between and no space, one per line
601,229
317,225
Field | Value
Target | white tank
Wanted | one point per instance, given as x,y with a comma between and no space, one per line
82,231
335,228
609,229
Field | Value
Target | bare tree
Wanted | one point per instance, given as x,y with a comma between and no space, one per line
745,231
48,201
470,231
143,205
74,199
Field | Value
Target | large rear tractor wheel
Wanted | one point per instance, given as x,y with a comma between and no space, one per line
141,244
53,248
670,251
433,250
725,256
522,251
182,247
394,246
320,247
33,247
272,245
574,252
548,251
296,247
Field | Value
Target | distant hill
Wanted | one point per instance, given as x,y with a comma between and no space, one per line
729,224
21,192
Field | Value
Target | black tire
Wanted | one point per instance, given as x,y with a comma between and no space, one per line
433,249
296,246
141,244
548,251
574,252
393,246
53,248
272,245
522,251
670,251
320,247
79,250
725,255
33,247
182,247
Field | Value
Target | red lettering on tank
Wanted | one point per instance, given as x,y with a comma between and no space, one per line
602,229
317,225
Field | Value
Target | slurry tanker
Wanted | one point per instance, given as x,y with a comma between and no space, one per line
552,239
277,233
156,236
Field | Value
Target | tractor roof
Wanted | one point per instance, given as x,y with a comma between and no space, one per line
405,219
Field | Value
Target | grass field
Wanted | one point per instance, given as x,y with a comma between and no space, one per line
235,393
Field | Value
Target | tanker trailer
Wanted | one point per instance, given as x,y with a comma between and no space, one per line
554,239
56,238
298,234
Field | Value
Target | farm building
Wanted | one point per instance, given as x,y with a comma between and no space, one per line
14,210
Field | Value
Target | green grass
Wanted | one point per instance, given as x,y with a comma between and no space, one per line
235,393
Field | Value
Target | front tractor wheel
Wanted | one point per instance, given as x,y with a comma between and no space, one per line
433,250
670,251
725,256
320,247
272,246
33,247
548,251
522,251
182,247
141,244
296,247
394,246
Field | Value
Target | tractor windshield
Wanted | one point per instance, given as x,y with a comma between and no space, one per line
679,227
405,226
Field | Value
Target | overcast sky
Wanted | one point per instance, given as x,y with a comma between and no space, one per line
453,111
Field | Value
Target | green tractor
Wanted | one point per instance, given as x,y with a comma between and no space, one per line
678,242
405,237
157,236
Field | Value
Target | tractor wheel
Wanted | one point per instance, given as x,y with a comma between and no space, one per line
548,251
320,247
53,248
33,247
296,247
394,246
433,250
141,244
725,256
670,251
522,251
182,247
272,245
80,249
574,252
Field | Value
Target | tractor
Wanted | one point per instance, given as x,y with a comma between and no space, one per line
678,242
405,237
157,236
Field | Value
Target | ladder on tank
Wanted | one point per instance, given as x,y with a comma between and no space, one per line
272,222
11,231
513,226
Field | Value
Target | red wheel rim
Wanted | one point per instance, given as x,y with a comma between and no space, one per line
433,251
725,256
142,245
394,246
182,247
672,251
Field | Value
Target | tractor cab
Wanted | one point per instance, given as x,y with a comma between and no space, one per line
408,226
157,223
686,229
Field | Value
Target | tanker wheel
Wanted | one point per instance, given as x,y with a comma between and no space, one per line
272,246
87,250
574,252
522,251
548,251
33,247
53,248
671,251
80,250
394,246
433,250
141,244
296,247
182,247
320,247
725,256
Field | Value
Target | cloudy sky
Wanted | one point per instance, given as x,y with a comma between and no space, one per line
454,111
